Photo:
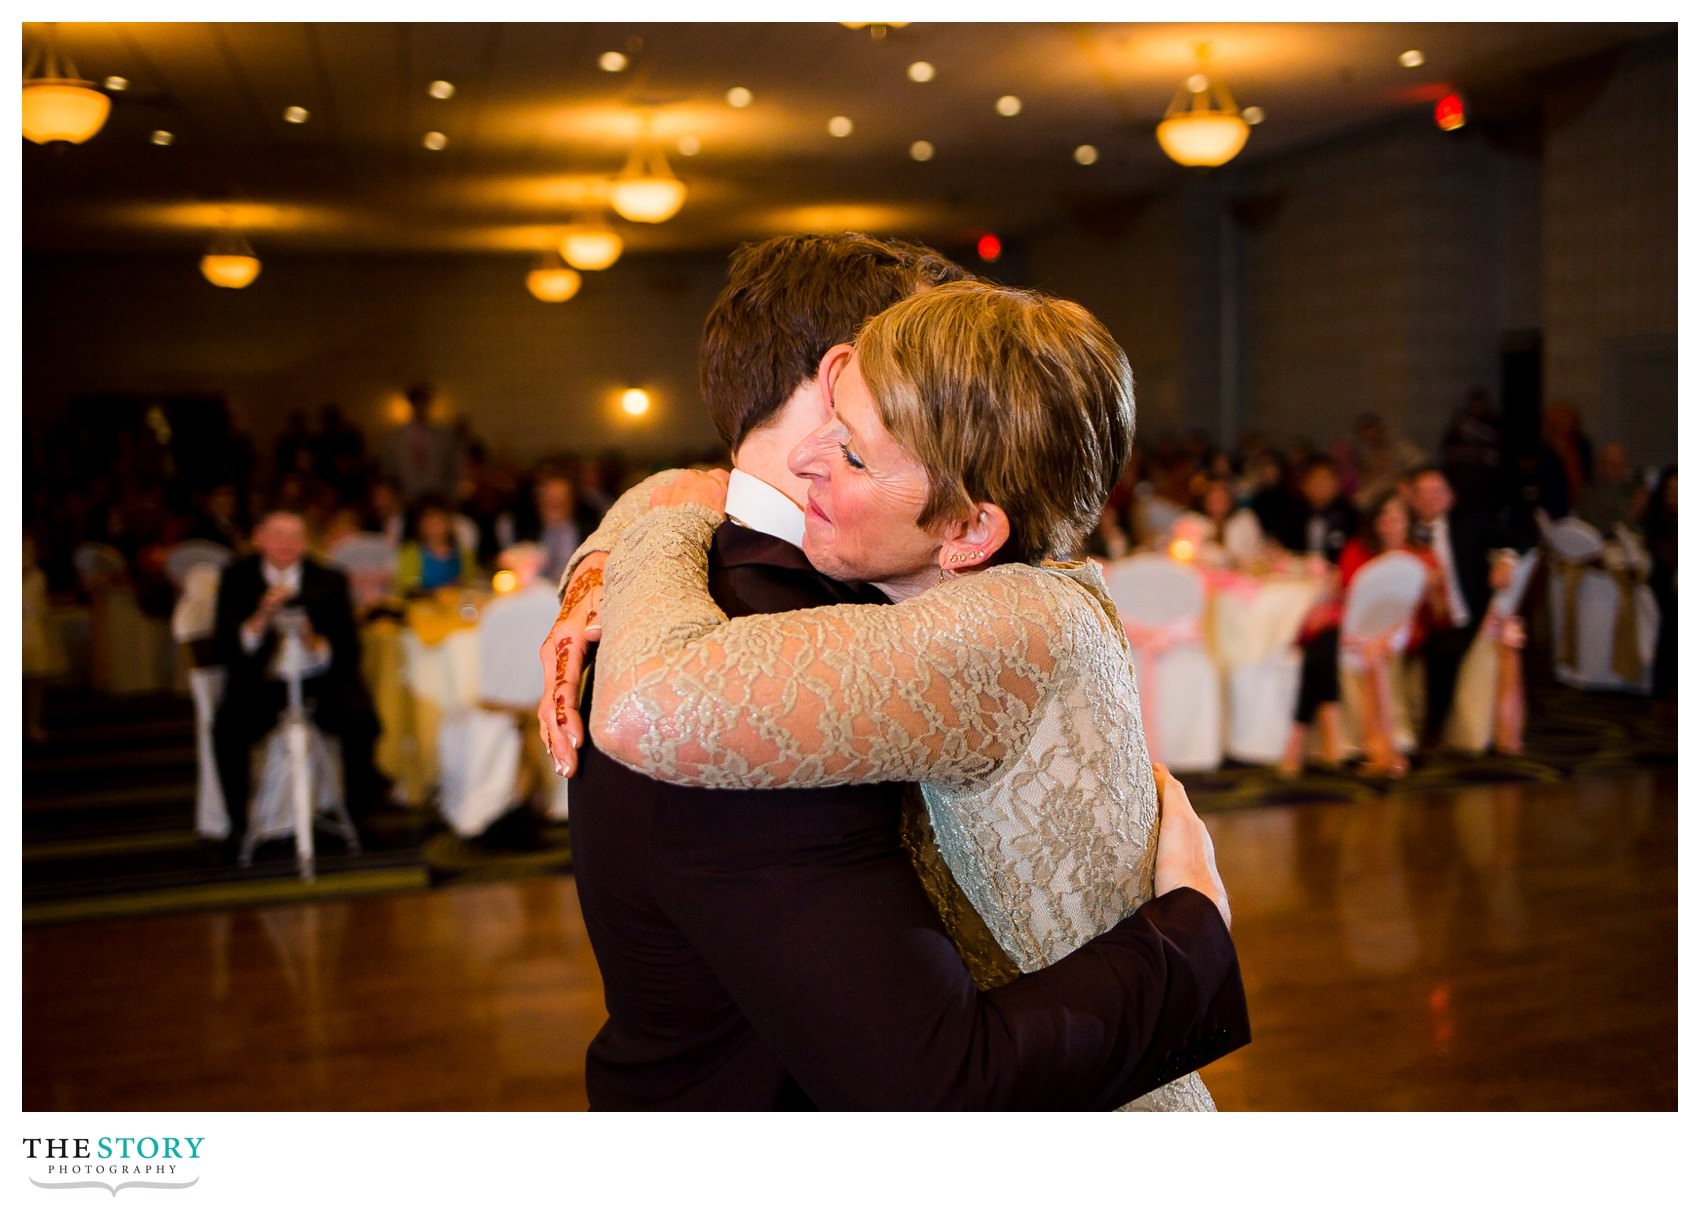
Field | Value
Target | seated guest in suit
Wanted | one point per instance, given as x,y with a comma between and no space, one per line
431,557
251,594
1464,548
774,948
1322,518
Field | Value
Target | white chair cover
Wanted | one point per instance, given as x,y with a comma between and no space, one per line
196,611
369,560
466,535
1380,604
1161,602
192,554
1242,537
130,652
1598,599
1470,724
206,688
1262,697
480,747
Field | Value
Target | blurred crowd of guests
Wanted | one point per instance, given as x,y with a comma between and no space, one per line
1466,510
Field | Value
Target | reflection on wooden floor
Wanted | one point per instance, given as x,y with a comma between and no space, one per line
1499,947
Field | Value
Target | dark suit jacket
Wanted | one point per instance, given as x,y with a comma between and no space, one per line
339,691
775,949
1472,537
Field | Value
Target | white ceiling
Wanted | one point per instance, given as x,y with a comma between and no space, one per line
536,129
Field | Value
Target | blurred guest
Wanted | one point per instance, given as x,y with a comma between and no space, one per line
1264,488
1383,455
1462,545
1233,529
386,513
44,657
1470,454
1387,528
431,556
1566,460
557,526
218,519
1617,496
252,596
1660,531
1320,520
292,452
339,451
418,456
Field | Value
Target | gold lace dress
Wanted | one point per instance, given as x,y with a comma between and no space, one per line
1008,693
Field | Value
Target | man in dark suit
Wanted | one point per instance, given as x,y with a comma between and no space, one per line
776,949
1463,545
1321,518
256,596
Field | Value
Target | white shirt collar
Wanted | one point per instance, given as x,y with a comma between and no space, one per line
290,577
752,502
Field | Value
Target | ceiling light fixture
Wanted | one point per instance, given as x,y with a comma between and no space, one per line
921,71
162,138
229,261
295,114
876,29
646,191
1412,59
1202,127
442,90
1253,115
634,401
1086,154
591,245
839,127
739,97
689,145
550,280
612,61
920,150
58,106
435,141
115,84
1009,105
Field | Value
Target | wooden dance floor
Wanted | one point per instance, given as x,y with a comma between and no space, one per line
1500,947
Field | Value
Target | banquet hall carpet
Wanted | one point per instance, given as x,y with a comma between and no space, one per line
108,808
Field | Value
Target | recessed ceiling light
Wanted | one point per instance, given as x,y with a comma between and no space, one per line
161,138
689,145
435,141
921,150
1412,59
840,126
1197,82
921,71
1086,154
1009,105
738,97
442,90
1253,114
612,61
295,114
115,84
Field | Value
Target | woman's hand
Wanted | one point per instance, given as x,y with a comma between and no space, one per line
578,626
1186,858
691,487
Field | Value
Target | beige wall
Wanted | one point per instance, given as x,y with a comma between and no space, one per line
1608,222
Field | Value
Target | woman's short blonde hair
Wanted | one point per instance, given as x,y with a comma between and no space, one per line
1007,396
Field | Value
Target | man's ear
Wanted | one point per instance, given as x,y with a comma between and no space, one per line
831,363
972,542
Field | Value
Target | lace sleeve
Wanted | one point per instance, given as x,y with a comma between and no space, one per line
632,505
942,687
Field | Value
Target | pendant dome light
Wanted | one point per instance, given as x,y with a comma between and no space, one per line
646,191
591,244
551,280
58,107
230,262
1202,127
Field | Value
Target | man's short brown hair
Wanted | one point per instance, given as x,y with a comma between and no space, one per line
788,300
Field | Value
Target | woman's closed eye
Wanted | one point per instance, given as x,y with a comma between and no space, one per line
850,457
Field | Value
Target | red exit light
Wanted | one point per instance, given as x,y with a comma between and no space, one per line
989,247
1449,112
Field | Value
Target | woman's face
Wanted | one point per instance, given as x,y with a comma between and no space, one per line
1393,524
1218,502
865,493
434,528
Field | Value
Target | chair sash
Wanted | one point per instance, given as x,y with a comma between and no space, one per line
1570,576
1626,635
1150,642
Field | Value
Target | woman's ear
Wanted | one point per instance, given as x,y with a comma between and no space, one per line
972,542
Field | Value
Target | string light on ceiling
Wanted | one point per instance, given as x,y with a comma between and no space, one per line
442,90
921,71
